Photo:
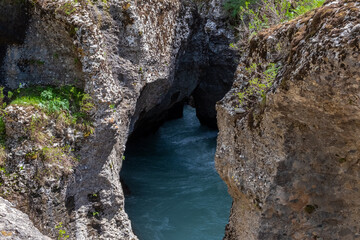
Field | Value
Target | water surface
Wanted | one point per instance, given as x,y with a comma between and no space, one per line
176,193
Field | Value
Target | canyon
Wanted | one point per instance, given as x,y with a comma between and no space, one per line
290,160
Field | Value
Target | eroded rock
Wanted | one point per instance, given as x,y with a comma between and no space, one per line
124,54
16,225
291,161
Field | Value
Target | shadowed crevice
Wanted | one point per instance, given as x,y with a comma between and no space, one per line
13,26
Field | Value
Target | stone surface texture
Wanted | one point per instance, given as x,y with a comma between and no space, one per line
201,66
125,54
40,158
16,225
292,161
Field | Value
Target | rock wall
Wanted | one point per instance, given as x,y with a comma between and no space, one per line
125,54
201,66
47,57
75,29
39,163
207,60
17,225
12,28
291,160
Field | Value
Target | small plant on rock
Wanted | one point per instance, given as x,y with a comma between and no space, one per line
256,15
61,232
54,100
259,84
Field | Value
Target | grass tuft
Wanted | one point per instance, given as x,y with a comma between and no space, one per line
68,99
256,15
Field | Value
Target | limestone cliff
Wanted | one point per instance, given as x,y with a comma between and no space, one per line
133,59
17,225
291,159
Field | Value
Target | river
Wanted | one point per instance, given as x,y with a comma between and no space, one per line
175,191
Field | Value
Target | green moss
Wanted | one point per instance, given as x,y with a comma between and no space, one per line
68,105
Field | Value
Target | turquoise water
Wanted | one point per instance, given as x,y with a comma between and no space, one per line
176,193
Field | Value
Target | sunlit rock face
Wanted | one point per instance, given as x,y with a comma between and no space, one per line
291,161
17,225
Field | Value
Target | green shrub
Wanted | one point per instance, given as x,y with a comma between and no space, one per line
257,15
234,6
61,232
68,7
67,104
258,86
55,99
304,7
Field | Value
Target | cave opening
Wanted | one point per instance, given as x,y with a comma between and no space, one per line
171,187
172,190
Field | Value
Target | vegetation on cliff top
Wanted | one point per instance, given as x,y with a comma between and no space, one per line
41,133
67,106
255,15
54,99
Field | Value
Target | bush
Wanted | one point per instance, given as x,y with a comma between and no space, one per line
234,6
61,231
258,85
257,15
67,99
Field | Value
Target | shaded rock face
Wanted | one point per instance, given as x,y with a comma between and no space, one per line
12,28
203,68
125,55
47,58
17,225
208,61
292,162
41,151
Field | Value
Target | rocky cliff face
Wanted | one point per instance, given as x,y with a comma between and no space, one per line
201,66
47,56
132,58
291,160
17,225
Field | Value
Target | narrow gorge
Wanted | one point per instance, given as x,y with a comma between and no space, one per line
172,188
84,80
